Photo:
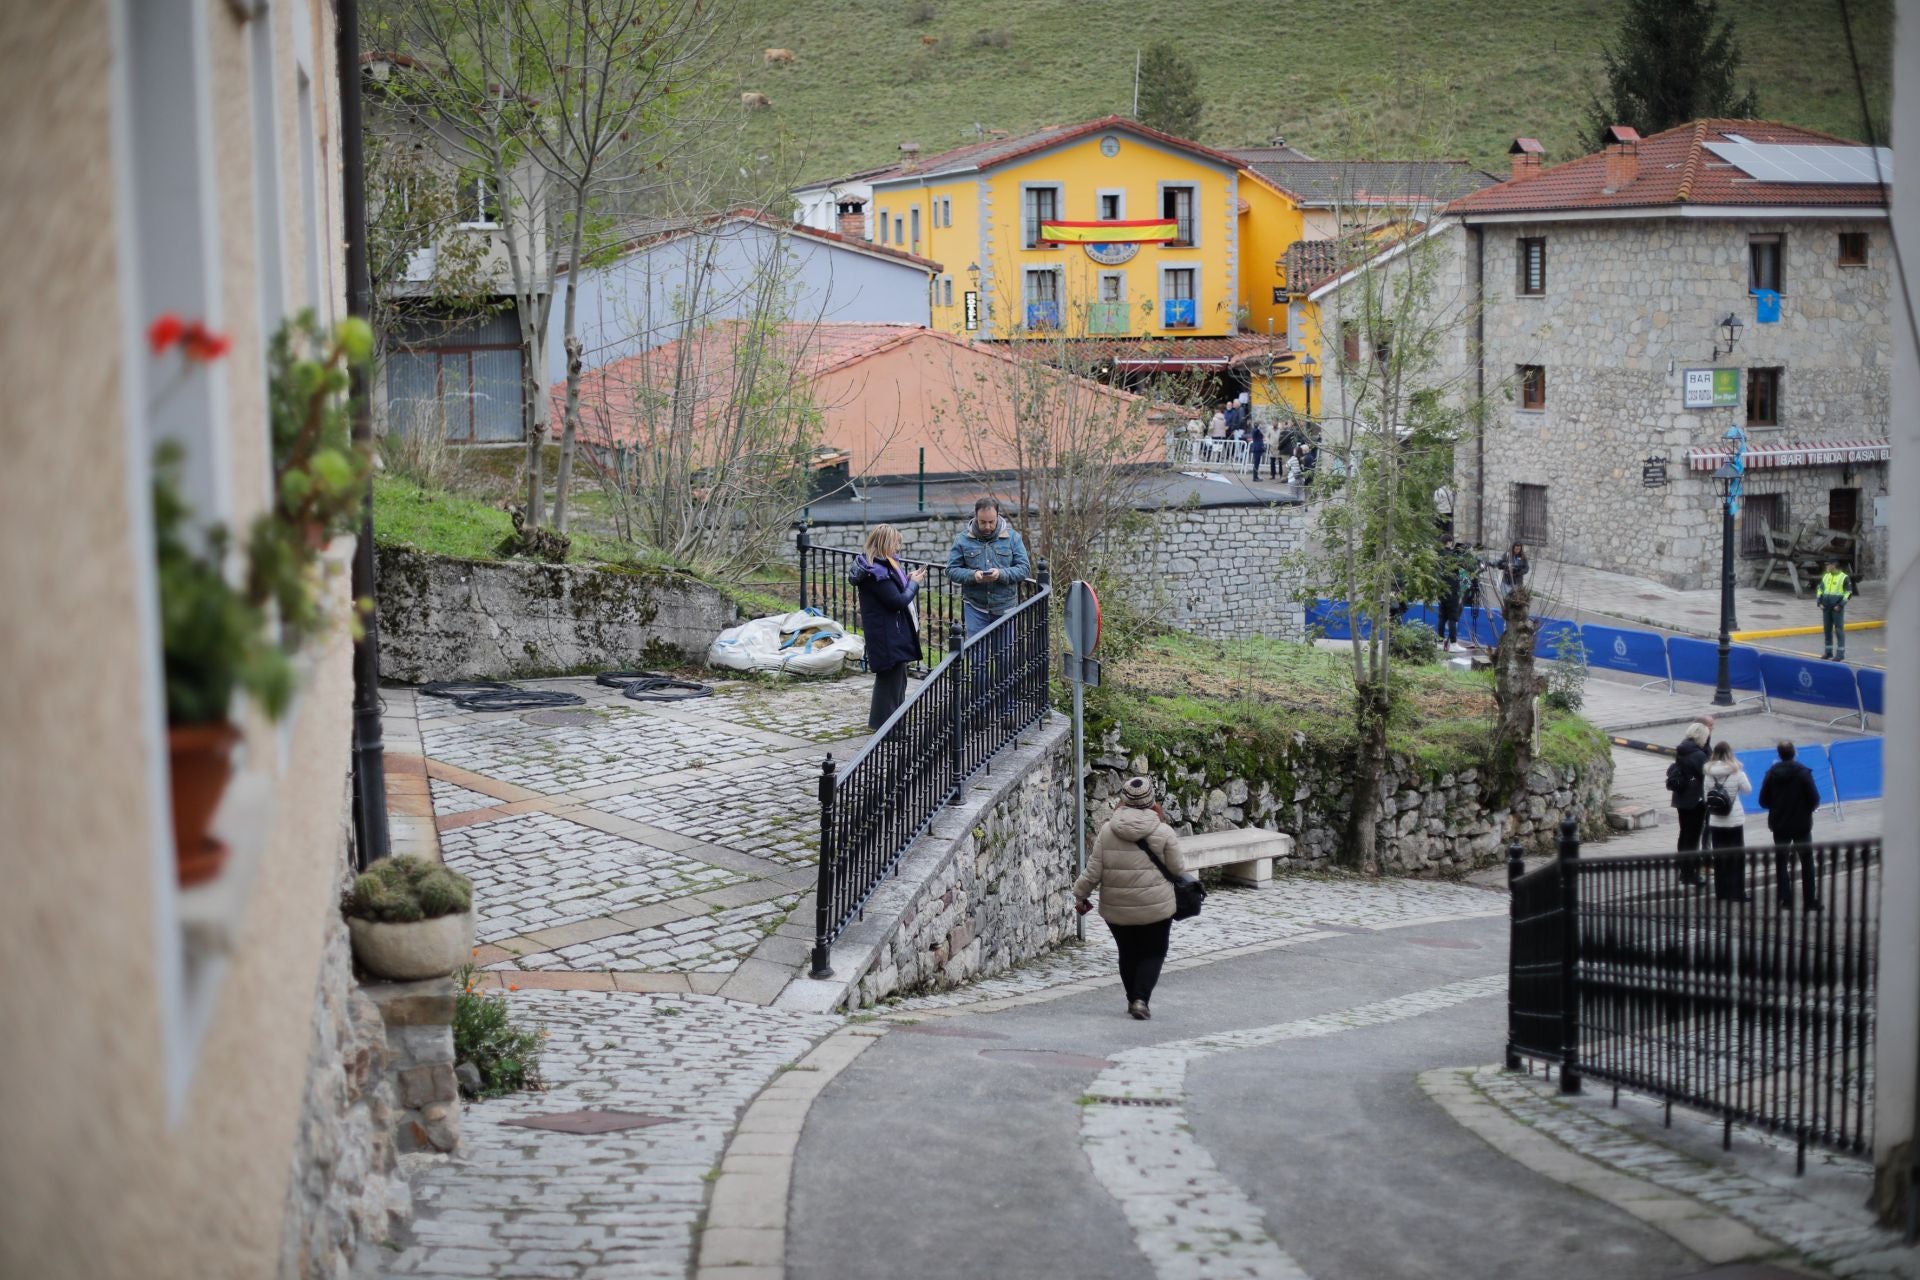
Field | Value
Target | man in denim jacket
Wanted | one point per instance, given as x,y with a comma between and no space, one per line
989,561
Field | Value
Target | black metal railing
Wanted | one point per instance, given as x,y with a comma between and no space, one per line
1756,1007
983,693
824,586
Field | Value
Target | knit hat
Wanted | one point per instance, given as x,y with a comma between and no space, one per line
1138,792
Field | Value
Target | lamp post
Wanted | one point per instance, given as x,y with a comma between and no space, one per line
1307,365
1728,473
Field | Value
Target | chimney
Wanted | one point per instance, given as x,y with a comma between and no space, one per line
1527,154
852,220
909,156
1623,156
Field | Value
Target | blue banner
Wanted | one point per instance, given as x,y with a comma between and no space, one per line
1858,768
1618,649
1790,678
1698,662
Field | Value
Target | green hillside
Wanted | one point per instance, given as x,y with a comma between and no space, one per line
1339,78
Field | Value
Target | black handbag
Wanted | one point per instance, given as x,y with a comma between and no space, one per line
1188,892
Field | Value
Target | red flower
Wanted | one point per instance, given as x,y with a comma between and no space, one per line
165,331
203,344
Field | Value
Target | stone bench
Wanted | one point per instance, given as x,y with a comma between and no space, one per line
1245,855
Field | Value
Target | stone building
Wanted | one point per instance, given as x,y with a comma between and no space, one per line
1600,290
194,1081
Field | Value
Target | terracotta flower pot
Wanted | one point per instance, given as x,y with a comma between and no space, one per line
202,764
413,951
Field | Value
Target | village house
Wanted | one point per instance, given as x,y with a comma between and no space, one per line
1641,302
193,1075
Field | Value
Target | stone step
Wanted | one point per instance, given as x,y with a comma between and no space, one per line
1631,815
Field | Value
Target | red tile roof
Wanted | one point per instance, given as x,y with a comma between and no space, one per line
996,151
1674,168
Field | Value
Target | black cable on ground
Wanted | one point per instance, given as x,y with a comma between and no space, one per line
621,679
664,689
461,688
509,698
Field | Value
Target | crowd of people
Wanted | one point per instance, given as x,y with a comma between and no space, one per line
1709,784
1290,455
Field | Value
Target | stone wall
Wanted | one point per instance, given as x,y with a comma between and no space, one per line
1627,301
347,1195
447,619
1434,823
1221,572
990,886
419,1024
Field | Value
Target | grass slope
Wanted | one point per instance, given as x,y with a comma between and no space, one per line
1340,78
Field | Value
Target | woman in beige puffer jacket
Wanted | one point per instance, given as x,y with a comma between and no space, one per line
1136,900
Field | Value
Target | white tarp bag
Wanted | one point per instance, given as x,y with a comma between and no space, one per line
803,643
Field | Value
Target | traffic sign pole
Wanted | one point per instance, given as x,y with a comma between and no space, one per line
1083,633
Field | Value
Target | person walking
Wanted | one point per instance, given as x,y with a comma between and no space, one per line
1790,796
1836,588
1136,896
1686,779
887,618
988,560
1513,570
1727,781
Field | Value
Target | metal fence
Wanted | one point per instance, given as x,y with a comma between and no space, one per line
983,693
1755,1007
824,586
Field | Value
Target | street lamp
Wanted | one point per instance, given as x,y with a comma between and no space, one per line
1307,365
1729,476
973,274
1729,334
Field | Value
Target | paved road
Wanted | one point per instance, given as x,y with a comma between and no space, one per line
1283,1134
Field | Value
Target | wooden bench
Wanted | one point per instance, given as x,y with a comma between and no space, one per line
1246,855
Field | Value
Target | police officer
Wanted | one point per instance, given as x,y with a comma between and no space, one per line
1836,588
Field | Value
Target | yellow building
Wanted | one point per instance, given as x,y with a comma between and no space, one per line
1167,255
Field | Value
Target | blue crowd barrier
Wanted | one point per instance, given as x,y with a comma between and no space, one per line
1423,614
1619,649
1552,631
1857,768
1487,626
1790,678
1698,662
1757,761
1872,683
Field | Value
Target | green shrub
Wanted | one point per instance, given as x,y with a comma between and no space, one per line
1414,642
402,889
1567,673
506,1056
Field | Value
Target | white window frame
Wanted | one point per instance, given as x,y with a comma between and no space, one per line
913,226
1166,272
1027,276
1101,280
884,220
480,185
1119,196
946,291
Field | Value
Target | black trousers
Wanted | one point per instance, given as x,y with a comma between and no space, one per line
1693,824
1729,867
1143,949
1449,622
1784,848
889,691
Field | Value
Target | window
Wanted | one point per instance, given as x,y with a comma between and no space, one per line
457,381
1177,203
1112,206
883,220
1383,344
1853,248
1765,256
1349,343
1761,514
1843,510
1763,397
1533,386
479,203
916,228
1110,287
1530,514
899,230
946,291
1532,254
1179,306
1042,296
1043,205
943,212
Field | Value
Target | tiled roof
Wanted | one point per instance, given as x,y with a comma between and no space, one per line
1324,183
654,230
994,151
1267,155
1674,168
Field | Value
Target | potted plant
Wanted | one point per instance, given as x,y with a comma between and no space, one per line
214,642
410,918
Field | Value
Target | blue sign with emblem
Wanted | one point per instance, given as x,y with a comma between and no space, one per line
1766,306
1112,255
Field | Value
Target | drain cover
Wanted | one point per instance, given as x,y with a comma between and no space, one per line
559,719
590,1121
1104,1100
1046,1058
1445,944
937,1029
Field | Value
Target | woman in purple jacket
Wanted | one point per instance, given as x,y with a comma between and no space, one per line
887,593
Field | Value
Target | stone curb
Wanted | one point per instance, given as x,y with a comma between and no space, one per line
745,1234
1716,1238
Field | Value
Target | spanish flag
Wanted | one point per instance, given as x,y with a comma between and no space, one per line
1137,231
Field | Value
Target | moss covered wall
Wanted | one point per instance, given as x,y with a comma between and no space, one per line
445,619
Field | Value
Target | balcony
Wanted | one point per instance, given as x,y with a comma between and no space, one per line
1107,318
1043,315
1177,313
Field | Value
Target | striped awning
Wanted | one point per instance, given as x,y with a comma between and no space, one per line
1137,231
1805,453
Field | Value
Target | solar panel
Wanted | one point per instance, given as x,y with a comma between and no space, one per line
1806,163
